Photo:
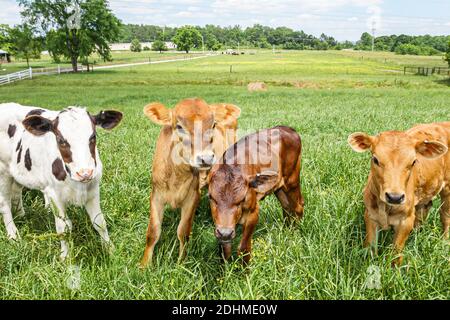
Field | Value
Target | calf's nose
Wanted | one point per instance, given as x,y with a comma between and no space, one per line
85,174
225,234
205,159
395,198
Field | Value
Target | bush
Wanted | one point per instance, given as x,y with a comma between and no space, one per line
136,46
146,48
159,45
412,49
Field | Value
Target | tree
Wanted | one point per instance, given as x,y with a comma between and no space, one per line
159,45
212,43
447,54
24,43
365,43
135,45
4,36
79,27
186,38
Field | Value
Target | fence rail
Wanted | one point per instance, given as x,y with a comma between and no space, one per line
427,71
16,76
29,73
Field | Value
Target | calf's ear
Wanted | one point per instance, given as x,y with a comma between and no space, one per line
37,125
360,141
158,113
431,149
108,119
224,113
263,182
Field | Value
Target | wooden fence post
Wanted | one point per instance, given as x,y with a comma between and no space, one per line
31,73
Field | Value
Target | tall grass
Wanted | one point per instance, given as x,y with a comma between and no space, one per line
322,258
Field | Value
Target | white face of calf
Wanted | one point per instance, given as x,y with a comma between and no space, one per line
75,133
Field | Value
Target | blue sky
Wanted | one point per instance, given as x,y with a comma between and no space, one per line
343,19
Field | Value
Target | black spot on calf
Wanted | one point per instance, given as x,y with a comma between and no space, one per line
11,130
19,144
28,163
35,112
19,155
58,170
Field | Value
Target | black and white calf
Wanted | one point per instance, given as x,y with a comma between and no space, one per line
56,153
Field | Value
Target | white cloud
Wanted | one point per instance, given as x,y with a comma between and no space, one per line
10,12
343,19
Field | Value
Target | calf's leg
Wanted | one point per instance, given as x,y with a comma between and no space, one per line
187,217
154,227
59,212
17,199
98,220
402,231
5,207
292,203
371,232
245,247
445,211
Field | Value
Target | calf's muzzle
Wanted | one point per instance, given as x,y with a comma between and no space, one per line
395,198
225,235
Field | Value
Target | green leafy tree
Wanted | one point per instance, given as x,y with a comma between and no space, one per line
135,45
447,54
24,43
79,27
365,43
4,36
212,43
159,45
186,38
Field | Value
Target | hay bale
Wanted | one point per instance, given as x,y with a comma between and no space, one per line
257,86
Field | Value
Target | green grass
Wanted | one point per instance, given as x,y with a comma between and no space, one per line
322,258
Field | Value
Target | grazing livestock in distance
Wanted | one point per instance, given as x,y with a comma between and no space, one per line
256,86
54,152
408,169
258,164
193,136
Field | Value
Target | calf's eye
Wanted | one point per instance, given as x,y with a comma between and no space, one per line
375,160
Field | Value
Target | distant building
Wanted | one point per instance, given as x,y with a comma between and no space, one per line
5,56
126,46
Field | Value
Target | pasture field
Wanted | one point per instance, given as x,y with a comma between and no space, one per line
325,96
118,57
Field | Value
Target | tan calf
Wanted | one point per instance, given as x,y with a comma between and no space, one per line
408,169
193,136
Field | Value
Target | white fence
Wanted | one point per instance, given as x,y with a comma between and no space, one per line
29,73
55,70
16,76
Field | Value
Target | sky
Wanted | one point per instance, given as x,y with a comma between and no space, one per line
342,19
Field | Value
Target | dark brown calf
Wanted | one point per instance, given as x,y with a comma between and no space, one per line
258,164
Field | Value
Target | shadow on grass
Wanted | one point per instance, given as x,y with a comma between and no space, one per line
444,82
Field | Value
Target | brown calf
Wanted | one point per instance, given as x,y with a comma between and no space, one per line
408,170
193,135
258,164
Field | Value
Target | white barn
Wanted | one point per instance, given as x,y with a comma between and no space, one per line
126,46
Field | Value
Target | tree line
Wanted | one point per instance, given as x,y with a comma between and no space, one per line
259,36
